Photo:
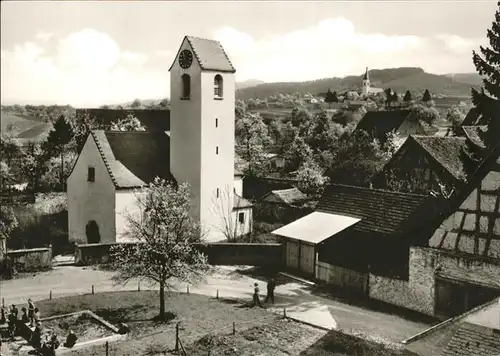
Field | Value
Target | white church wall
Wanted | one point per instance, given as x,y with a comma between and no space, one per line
185,129
217,168
245,227
126,206
90,200
238,186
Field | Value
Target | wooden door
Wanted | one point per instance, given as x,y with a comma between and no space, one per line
307,259
292,254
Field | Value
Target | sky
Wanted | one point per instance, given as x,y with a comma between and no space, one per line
90,53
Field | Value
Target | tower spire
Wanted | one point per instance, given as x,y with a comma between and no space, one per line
365,77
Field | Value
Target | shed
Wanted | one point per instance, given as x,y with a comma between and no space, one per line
301,238
289,197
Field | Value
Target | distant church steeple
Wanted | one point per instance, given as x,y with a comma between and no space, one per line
366,83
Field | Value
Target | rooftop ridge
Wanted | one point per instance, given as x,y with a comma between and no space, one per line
381,191
448,322
103,156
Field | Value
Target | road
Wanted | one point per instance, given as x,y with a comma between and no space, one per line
295,297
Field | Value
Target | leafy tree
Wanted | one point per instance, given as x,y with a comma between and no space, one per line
81,125
167,236
60,135
136,104
331,97
407,98
56,166
164,103
356,158
324,133
296,154
10,148
300,116
424,114
33,166
455,116
310,177
427,96
8,221
252,139
488,66
128,123
388,96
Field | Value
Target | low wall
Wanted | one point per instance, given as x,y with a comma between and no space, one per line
224,254
342,277
418,293
29,260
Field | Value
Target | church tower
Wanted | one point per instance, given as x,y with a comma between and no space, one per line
366,83
202,95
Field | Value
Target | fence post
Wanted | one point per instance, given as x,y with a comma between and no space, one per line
188,289
107,348
50,295
92,289
3,302
217,296
234,328
177,337
284,312
139,286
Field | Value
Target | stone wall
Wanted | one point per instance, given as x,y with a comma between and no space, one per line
418,292
29,260
224,254
425,264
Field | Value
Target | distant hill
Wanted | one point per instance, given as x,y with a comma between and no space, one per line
467,78
25,128
399,79
248,83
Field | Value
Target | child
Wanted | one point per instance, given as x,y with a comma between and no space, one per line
256,299
31,311
24,317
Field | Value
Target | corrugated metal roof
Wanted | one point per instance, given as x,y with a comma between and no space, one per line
316,227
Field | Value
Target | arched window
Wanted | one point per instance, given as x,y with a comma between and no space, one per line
92,232
186,86
218,87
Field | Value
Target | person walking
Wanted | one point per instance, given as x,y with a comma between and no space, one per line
31,311
256,299
271,285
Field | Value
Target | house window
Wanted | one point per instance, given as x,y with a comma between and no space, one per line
241,218
218,87
216,122
186,86
216,150
217,192
91,174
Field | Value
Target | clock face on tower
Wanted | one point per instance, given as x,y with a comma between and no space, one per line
185,59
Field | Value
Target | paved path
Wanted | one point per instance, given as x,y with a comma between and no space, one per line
295,297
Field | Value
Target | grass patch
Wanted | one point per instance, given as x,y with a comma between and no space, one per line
198,316
278,338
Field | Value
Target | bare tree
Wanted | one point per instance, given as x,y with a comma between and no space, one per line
223,207
166,238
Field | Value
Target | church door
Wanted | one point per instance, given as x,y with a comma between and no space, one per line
92,232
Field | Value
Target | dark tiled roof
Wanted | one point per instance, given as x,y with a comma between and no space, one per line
471,118
288,196
154,120
134,158
381,211
447,151
240,202
473,340
380,123
210,54
476,134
